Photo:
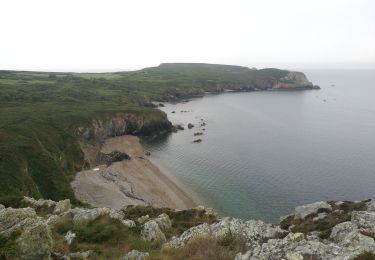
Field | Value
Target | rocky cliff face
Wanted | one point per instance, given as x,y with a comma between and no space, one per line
294,80
321,230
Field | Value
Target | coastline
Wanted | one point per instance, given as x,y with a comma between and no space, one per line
133,181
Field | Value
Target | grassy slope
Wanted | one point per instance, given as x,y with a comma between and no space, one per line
39,113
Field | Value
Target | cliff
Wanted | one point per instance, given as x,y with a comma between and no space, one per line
41,229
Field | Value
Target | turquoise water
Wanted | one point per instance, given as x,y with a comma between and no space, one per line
263,153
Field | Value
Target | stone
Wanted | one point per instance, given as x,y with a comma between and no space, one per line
9,217
62,206
163,222
35,241
51,220
364,219
340,231
69,237
39,203
143,219
320,216
152,232
301,212
2,206
79,214
80,255
135,255
371,205
190,125
197,141
129,223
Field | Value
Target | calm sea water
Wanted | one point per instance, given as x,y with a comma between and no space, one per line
263,153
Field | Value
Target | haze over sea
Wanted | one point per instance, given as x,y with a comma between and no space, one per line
263,153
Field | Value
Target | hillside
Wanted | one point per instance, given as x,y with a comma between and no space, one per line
45,117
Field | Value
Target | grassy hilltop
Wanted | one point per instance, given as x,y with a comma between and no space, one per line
40,113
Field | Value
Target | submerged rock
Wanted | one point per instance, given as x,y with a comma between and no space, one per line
190,125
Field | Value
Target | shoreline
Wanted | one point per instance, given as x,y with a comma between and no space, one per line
133,181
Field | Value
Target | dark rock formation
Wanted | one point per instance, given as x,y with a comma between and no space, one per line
114,156
190,125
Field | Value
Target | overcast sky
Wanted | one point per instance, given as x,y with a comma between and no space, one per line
109,35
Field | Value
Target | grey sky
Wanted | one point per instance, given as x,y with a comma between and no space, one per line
112,35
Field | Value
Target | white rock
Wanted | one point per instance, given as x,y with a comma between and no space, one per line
164,222
128,223
152,232
69,237
340,231
300,212
10,217
2,206
371,205
320,216
81,255
79,214
364,219
62,206
135,255
143,219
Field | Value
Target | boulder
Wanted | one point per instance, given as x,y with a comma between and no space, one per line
62,206
197,141
163,222
79,214
39,203
35,241
143,219
190,125
152,232
2,206
129,223
364,219
340,231
371,205
69,237
135,255
9,217
301,212
80,255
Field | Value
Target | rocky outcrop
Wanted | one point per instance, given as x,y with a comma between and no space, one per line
135,255
294,80
308,209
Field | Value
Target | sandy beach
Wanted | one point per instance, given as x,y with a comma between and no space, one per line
134,181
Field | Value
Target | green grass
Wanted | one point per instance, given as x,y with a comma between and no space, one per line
40,113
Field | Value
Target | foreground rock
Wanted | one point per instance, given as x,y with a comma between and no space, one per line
346,231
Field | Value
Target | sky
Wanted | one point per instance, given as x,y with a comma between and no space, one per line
117,35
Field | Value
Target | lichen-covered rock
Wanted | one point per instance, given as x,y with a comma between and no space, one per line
10,217
52,219
79,214
364,219
300,212
253,231
2,206
163,221
39,203
69,237
129,223
371,205
152,232
62,206
143,219
340,231
80,255
135,255
35,241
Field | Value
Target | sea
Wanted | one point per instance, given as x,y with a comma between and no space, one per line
263,153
